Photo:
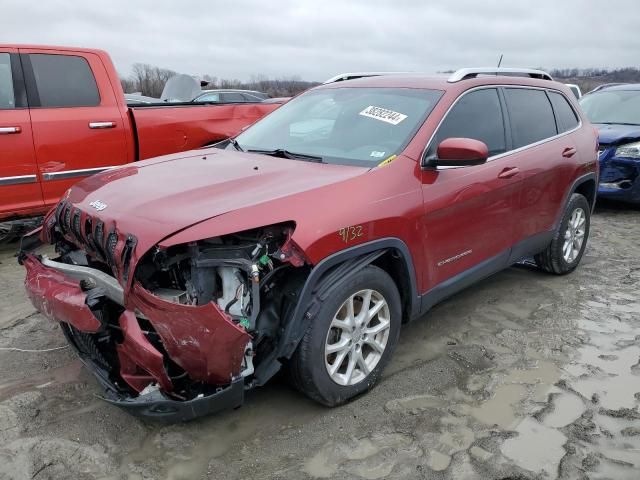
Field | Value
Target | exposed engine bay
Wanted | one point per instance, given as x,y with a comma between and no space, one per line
197,318
247,275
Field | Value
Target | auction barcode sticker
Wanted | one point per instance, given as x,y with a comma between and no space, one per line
383,114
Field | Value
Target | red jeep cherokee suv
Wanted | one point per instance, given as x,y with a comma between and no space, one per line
308,239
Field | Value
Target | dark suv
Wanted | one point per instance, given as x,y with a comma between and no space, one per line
308,239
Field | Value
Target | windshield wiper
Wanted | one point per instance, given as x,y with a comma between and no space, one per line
280,152
619,123
236,145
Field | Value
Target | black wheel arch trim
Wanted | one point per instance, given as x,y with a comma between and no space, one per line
322,280
579,181
574,187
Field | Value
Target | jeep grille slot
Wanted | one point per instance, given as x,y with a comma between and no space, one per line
75,225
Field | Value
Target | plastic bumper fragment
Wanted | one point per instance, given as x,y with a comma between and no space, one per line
58,297
200,338
156,406
135,353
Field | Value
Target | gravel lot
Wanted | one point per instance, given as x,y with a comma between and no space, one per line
523,376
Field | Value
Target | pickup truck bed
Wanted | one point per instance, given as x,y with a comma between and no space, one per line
161,129
63,117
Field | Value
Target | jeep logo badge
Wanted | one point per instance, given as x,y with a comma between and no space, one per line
98,205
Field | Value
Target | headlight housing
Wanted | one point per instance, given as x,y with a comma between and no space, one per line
630,150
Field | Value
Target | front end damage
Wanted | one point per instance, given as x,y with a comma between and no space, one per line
619,175
178,332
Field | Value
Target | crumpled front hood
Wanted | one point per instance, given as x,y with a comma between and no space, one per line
616,134
157,198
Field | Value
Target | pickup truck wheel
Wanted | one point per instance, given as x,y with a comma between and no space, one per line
351,340
565,251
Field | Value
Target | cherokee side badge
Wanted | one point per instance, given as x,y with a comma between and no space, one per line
98,205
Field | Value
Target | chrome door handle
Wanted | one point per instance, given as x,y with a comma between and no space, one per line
99,125
9,130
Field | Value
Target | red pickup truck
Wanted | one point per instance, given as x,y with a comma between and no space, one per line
63,116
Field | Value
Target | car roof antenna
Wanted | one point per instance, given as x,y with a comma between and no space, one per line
500,61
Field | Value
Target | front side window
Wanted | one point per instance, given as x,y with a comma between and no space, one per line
64,81
344,125
7,96
476,115
209,97
531,116
620,107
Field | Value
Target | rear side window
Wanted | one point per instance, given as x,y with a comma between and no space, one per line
251,98
531,116
476,115
64,81
7,97
565,115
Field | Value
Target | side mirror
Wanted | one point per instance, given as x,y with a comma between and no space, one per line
460,152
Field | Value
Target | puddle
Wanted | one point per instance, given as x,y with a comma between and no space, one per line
273,408
66,374
546,372
567,408
536,448
438,461
370,457
499,409
614,385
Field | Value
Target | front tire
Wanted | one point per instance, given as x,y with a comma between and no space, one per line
351,340
565,251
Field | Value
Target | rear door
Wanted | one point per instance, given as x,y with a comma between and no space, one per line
77,125
469,211
19,188
544,159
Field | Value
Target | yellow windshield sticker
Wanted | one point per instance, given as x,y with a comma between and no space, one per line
387,161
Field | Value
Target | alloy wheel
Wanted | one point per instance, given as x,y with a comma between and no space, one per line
357,337
574,235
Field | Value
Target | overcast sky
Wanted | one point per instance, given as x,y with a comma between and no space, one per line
317,39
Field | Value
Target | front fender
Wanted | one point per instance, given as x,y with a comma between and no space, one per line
321,279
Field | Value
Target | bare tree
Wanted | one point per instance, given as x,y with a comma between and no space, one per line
150,80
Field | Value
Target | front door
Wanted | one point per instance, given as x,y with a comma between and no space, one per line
469,211
19,188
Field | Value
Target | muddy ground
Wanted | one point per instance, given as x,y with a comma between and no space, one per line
524,376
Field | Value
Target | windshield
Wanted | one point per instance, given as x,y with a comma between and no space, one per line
613,106
350,126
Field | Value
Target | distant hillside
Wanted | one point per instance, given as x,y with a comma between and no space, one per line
589,78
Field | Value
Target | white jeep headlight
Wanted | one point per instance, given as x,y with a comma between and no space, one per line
630,150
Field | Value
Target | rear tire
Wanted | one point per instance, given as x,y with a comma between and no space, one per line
565,251
350,341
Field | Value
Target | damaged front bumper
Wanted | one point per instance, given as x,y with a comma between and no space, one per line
156,405
619,178
157,344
